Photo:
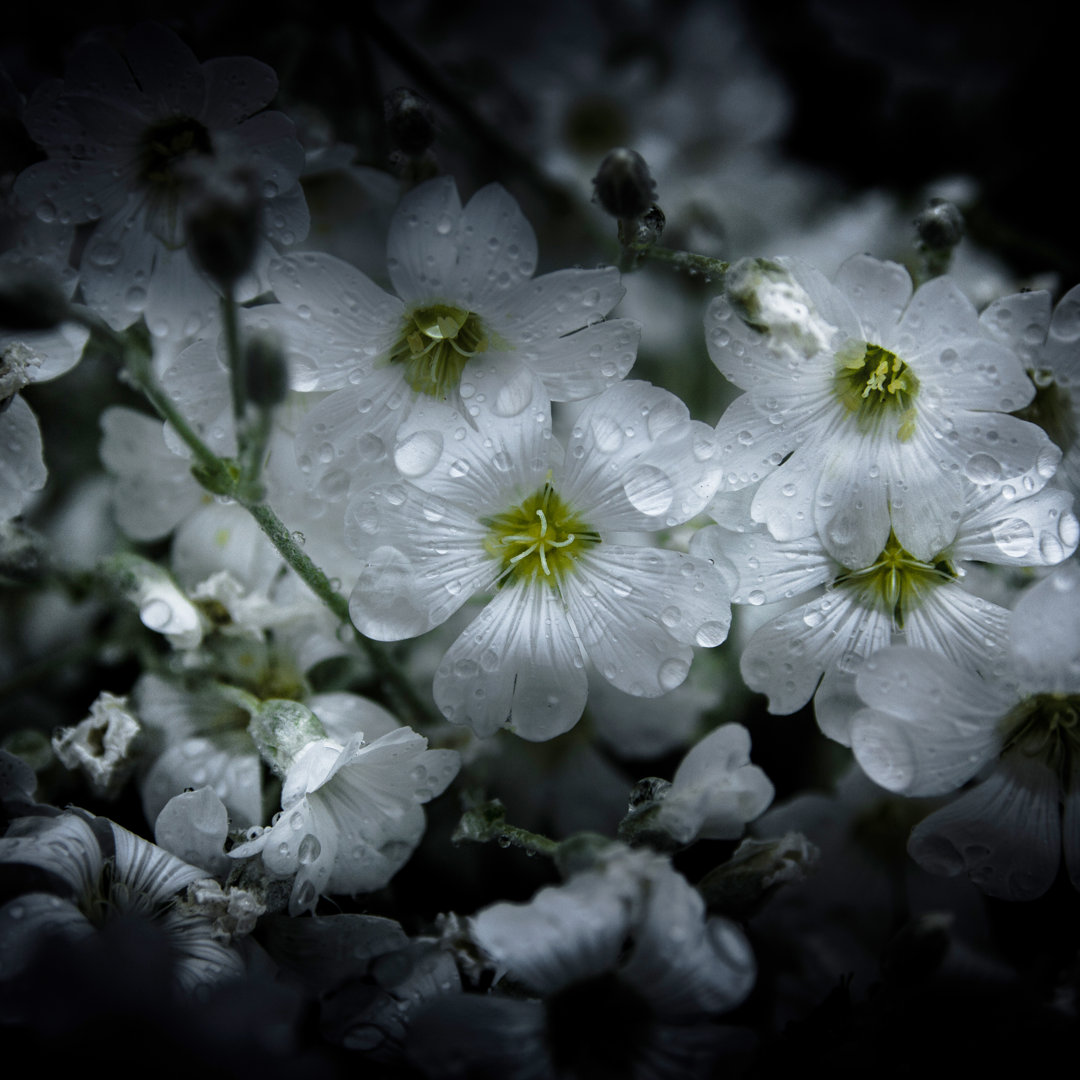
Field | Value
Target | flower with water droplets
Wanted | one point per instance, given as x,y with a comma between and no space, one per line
465,291
119,132
351,814
872,424
893,597
505,509
929,727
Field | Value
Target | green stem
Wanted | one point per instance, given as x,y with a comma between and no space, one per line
224,477
686,261
487,822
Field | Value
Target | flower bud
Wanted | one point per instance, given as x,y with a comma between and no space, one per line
222,219
940,226
266,372
281,729
104,745
410,123
623,185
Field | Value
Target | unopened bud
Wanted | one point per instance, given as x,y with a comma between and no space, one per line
222,219
30,300
410,123
281,730
266,372
940,227
103,746
623,185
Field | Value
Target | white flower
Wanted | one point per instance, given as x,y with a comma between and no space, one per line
895,596
117,133
504,508
876,432
630,970
715,790
143,880
102,745
351,814
465,288
929,728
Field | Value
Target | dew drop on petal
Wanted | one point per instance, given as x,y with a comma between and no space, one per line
982,469
310,849
418,453
672,673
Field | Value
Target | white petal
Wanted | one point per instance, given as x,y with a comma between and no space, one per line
635,460
236,87
561,936
556,304
969,630
786,657
1019,321
851,509
517,664
65,846
167,70
150,871
423,557
637,611
344,715
22,464
498,248
767,569
751,444
1040,530
934,725
1004,834
878,291
973,373
1045,630
990,447
585,362
938,313
338,320
193,826
199,384
424,241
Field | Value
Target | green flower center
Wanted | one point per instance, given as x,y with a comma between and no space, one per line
896,582
877,386
434,346
163,146
541,538
1046,726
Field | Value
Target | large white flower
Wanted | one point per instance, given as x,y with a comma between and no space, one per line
895,596
505,508
465,288
929,728
118,132
867,406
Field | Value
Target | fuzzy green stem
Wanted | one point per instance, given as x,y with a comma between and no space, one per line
687,262
487,821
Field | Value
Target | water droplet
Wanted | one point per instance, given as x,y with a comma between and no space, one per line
756,597
310,849
672,673
417,454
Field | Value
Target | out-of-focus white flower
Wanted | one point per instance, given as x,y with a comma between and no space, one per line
629,969
103,745
465,288
929,728
118,132
877,431
143,880
503,508
351,813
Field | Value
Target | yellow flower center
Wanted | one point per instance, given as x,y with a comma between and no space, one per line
876,385
541,538
434,346
1046,726
896,582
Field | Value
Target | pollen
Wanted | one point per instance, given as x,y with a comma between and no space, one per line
897,582
435,344
540,539
877,386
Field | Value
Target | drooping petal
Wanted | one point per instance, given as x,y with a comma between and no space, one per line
1004,834
518,664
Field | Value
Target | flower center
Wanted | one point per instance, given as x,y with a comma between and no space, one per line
896,582
540,538
1046,726
876,385
435,344
163,146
